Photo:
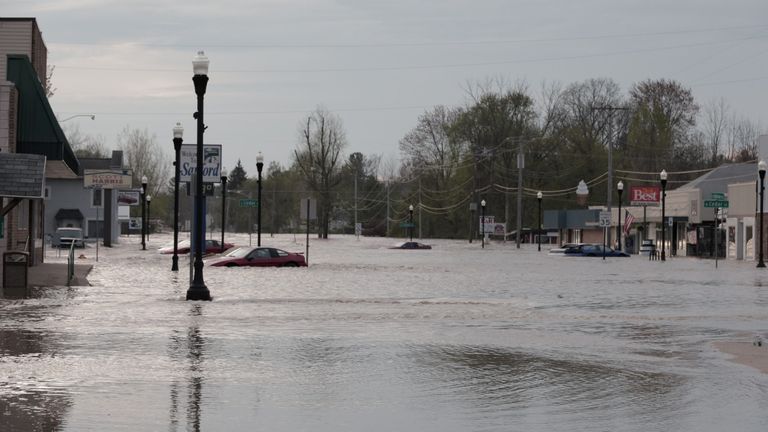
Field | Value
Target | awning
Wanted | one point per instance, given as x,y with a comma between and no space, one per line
69,214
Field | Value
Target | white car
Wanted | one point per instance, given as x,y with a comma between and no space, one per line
64,237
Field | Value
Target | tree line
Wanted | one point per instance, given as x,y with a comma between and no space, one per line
458,155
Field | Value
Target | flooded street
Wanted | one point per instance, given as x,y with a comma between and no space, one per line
456,338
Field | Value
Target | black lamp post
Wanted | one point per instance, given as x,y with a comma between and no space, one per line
223,208
197,289
178,132
410,221
663,177
539,196
143,212
149,202
259,167
761,171
620,189
482,223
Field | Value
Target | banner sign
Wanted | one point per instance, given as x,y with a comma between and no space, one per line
211,162
645,195
128,197
107,179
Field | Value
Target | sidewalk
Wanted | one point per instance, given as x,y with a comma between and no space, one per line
55,274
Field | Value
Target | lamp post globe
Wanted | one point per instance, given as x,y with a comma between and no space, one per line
663,178
620,190
259,168
197,289
178,134
482,223
143,212
539,196
761,167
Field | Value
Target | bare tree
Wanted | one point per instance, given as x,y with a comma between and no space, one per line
715,125
85,145
318,156
144,155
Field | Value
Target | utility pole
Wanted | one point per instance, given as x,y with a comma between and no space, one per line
611,110
387,207
419,206
356,205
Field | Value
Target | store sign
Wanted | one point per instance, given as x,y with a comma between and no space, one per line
211,163
644,195
107,179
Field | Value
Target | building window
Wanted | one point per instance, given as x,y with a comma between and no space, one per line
97,198
47,193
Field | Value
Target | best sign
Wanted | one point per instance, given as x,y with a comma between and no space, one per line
644,195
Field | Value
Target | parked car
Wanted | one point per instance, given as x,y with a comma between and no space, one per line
258,257
211,247
594,250
560,251
65,236
411,245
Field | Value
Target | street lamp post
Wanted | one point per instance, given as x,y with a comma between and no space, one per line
197,289
223,208
149,202
663,177
143,212
620,189
539,196
761,171
482,223
259,167
410,221
178,133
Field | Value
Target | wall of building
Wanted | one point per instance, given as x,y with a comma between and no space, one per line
70,194
22,36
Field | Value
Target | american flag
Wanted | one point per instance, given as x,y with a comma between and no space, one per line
628,220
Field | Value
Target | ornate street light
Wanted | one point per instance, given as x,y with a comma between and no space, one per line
197,289
178,133
223,208
149,202
482,223
259,167
143,212
620,189
410,221
539,196
663,177
761,171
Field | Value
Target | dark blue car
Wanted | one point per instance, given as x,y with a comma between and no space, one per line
594,250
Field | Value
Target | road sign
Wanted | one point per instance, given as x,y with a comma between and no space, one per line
715,203
211,162
719,196
407,225
249,203
605,219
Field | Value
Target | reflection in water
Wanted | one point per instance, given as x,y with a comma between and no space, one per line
25,402
189,349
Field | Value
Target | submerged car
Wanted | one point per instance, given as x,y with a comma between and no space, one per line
560,251
594,250
411,245
211,247
258,257
66,236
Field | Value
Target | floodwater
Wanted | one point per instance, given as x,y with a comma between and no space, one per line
457,338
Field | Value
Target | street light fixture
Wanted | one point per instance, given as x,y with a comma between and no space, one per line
143,212
620,189
178,133
539,196
761,166
92,116
259,167
197,289
482,223
149,202
663,177
410,221
223,207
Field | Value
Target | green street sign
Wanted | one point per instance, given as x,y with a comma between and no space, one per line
249,203
715,204
407,225
718,196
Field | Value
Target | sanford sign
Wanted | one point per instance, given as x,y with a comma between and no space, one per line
644,195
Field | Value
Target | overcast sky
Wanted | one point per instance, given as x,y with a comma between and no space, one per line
378,64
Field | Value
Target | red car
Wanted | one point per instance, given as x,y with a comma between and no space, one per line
211,247
258,257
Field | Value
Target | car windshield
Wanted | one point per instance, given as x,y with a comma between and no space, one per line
70,233
239,252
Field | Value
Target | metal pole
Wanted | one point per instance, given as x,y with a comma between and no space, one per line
259,166
250,220
761,171
520,166
482,224
149,206
410,222
197,289
223,209
177,140
356,206
716,231
143,214
618,233
663,217
539,226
